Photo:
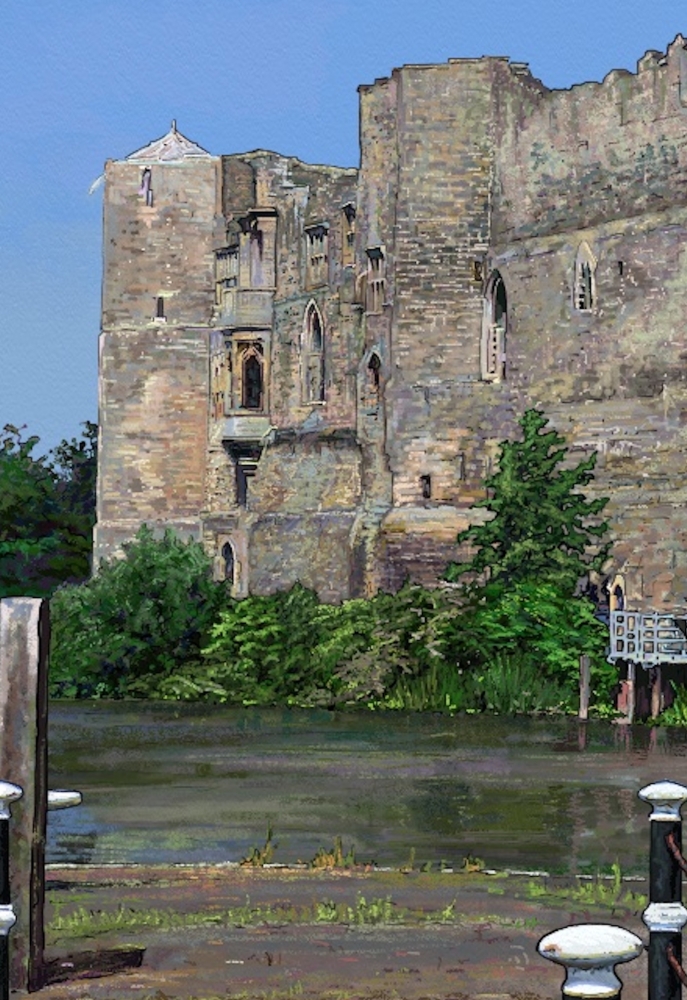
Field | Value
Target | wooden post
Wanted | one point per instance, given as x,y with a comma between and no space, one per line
24,644
630,715
584,687
656,692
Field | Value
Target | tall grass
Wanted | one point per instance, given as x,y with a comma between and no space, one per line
676,714
514,684
441,688
511,684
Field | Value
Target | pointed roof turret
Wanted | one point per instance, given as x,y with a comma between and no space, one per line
172,146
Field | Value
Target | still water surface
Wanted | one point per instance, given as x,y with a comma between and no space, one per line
163,783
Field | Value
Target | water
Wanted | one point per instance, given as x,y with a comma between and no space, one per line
164,783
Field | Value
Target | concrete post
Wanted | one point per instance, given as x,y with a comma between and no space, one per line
24,644
665,916
590,953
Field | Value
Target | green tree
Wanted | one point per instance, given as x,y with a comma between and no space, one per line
47,511
542,528
29,556
74,466
135,623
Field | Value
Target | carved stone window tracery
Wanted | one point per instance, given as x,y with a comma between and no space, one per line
317,255
376,280
348,214
313,356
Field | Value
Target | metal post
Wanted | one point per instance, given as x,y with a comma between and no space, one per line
8,793
665,916
590,953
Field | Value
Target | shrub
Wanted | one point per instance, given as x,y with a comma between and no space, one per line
533,627
259,652
140,619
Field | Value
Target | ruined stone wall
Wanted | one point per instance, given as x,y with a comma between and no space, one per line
153,433
596,152
302,508
605,164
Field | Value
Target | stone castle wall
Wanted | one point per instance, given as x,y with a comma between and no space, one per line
469,171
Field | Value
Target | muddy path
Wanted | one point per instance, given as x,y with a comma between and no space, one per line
206,932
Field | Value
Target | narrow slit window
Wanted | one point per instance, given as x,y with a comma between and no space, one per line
348,214
584,294
229,562
146,189
373,385
494,330
160,308
426,487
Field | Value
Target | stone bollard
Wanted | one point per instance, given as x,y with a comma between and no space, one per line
665,916
8,794
589,953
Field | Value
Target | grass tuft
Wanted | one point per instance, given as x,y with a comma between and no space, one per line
334,857
261,856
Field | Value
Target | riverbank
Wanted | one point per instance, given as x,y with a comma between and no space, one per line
232,931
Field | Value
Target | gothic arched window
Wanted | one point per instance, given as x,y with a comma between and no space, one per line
313,356
252,382
494,330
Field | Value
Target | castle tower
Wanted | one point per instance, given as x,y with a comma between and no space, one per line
161,212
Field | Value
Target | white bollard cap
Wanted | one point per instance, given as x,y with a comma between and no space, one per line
7,920
589,952
60,799
9,793
667,798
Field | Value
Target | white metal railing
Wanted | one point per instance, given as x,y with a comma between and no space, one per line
649,639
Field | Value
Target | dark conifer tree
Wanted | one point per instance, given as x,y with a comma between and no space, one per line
543,529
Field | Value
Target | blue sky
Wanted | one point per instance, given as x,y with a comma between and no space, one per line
82,82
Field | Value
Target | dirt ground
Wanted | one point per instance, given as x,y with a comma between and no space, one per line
487,951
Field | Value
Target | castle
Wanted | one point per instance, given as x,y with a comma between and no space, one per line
309,368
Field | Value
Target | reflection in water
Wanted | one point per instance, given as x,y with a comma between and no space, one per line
192,783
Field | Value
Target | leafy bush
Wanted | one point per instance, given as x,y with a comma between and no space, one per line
675,714
258,652
405,640
532,627
137,622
